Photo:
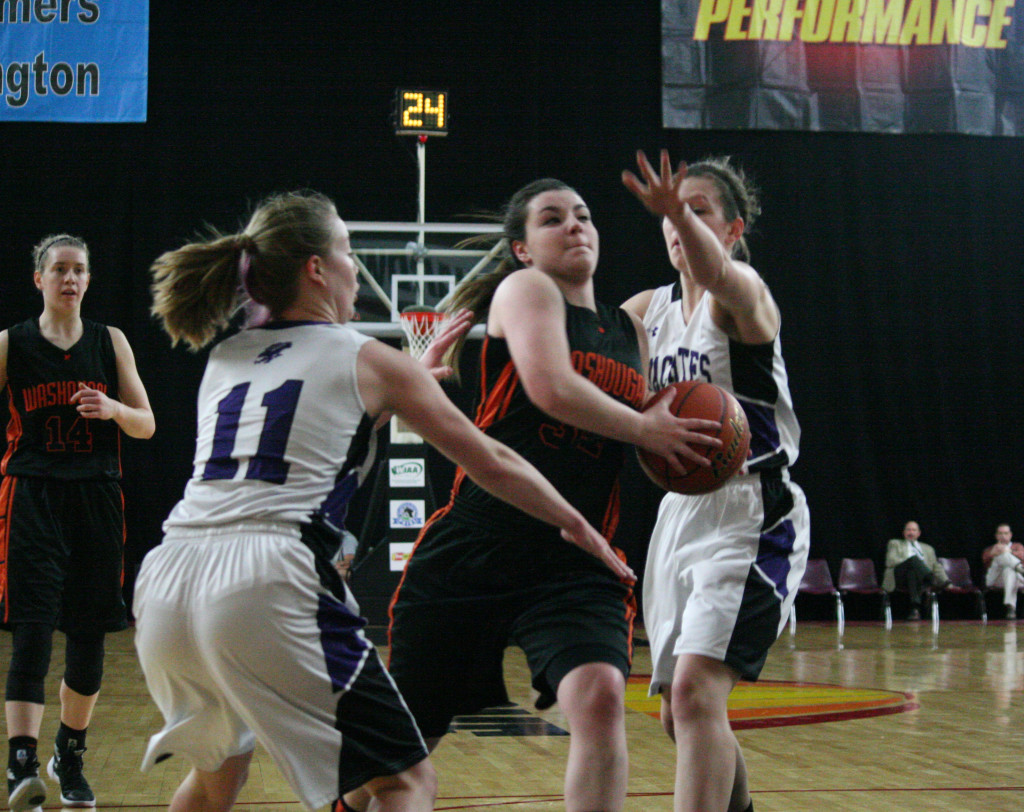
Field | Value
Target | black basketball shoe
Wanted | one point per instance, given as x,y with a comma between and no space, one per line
25,789
66,769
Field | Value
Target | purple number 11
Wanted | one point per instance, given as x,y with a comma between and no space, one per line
267,464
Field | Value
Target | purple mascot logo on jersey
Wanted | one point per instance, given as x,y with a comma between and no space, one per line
272,352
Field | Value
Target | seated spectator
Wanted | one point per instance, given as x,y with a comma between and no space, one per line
1004,563
912,565
346,553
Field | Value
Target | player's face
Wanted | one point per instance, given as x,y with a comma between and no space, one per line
911,532
342,275
560,236
64,278
703,198
1003,534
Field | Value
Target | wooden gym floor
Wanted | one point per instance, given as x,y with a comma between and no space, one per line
906,719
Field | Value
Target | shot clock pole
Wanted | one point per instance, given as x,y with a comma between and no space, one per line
421,113
421,216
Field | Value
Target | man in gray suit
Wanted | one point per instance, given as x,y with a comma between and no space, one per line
911,564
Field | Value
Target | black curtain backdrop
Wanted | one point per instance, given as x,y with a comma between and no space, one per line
896,260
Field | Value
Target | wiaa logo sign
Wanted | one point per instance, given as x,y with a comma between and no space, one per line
407,474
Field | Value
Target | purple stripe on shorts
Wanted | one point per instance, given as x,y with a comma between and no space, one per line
343,647
773,550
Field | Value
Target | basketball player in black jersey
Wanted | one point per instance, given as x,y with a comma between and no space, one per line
561,380
71,388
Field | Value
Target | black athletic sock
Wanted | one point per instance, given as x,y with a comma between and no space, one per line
69,739
17,743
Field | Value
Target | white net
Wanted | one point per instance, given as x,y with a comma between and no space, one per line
420,327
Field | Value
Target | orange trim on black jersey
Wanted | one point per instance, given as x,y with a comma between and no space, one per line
609,524
6,499
124,529
630,602
14,430
494,404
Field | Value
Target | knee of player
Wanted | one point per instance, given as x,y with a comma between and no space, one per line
607,703
598,696
83,666
29,663
691,698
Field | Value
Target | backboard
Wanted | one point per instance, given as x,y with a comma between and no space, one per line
403,264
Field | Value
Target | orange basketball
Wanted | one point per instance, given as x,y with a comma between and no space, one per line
708,402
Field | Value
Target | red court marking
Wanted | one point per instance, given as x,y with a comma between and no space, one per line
775,703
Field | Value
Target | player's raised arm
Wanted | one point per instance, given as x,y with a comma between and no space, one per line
706,243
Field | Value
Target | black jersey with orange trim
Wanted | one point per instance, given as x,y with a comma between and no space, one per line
45,434
584,467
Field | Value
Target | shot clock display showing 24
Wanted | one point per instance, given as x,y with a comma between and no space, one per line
421,112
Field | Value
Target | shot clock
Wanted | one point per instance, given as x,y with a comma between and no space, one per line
421,112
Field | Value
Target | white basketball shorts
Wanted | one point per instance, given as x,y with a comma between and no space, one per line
239,641
722,571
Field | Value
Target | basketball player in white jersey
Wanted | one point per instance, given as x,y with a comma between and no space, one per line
723,568
244,629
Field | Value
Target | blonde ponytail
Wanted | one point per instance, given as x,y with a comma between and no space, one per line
199,287
196,289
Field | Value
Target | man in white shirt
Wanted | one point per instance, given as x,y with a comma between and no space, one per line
912,565
1004,562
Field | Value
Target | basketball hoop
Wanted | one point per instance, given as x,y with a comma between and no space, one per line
420,324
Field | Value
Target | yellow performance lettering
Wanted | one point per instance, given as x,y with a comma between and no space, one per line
882,21
710,12
734,29
947,22
791,12
847,21
973,35
972,23
817,20
999,21
917,27
764,19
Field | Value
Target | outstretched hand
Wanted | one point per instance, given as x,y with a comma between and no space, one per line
659,192
588,539
451,328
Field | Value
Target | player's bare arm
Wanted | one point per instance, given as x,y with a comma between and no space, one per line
528,310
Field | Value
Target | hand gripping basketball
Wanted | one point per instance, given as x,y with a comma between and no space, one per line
698,399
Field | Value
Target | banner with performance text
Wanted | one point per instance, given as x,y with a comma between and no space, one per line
881,66
74,60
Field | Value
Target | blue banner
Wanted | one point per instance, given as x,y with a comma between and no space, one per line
74,60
